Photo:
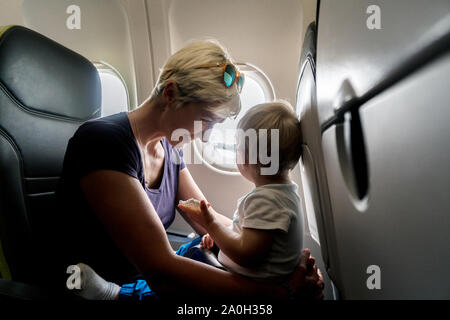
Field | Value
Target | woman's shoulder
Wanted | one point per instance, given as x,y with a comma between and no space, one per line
104,143
108,128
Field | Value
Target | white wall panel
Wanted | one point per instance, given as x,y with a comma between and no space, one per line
104,34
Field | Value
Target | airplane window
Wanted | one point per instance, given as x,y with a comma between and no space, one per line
219,152
114,90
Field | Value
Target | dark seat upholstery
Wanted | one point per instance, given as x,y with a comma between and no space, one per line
46,92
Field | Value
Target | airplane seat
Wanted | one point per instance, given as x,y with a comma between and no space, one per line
46,92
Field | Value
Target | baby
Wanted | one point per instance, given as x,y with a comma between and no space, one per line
264,239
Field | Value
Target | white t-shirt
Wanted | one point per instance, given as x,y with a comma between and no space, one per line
274,207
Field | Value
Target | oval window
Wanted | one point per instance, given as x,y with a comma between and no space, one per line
114,90
219,153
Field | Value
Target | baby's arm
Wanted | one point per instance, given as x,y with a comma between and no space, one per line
222,218
194,206
247,249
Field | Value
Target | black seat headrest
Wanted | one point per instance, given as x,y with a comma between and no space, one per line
34,68
46,92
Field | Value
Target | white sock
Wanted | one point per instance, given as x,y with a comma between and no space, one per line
94,287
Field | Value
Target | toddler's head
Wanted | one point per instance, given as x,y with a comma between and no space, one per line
269,139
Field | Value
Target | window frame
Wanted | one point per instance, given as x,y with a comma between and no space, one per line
105,67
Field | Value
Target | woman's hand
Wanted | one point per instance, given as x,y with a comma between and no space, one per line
307,281
203,217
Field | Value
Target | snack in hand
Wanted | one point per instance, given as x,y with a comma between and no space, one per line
192,204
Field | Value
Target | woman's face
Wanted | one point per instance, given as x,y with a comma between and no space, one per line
189,122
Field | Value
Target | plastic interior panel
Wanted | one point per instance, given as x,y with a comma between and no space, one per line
313,163
403,227
348,50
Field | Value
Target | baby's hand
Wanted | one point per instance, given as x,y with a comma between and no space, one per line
207,241
197,211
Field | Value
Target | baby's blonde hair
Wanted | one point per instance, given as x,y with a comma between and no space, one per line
200,84
276,115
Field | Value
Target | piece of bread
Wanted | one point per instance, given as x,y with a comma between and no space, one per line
192,204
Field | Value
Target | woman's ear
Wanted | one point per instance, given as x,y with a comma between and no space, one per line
170,92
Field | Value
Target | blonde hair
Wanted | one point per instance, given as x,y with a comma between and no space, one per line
276,115
200,84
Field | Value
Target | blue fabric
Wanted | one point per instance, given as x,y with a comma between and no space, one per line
182,251
140,290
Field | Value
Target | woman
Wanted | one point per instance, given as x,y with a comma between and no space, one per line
122,178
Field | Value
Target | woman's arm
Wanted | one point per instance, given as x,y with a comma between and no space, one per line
187,188
129,217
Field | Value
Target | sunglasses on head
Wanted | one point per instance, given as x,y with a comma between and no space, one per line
230,74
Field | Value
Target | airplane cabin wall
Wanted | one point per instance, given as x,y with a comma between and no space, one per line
104,35
11,12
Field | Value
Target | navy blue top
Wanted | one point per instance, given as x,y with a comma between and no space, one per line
107,143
